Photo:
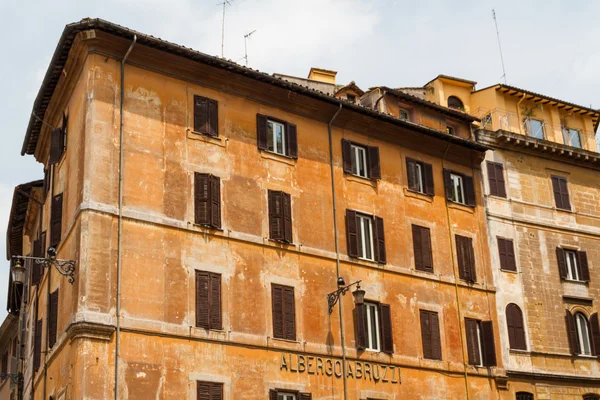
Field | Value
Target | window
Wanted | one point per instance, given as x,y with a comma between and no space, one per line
420,176
365,236
561,192
430,335
480,342
404,114
361,160
583,335
37,345
373,327
277,136
280,216
507,255
209,391
284,312
58,142
516,327
496,179
207,200
422,248
288,395
486,121
524,396
450,130
351,98
466,258
534,128
55,221
591,396
573,265
208,300
206,116
37,270
456,103
572,137
53,319
459,188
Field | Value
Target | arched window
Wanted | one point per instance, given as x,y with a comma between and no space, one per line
456,103
524,396
591,396
516,328
583,334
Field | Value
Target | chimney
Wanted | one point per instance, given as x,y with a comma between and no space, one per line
322,75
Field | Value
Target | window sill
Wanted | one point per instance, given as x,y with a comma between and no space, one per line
418,195
520,352
281,243
269,155
361,180
461,207
509,271
206,228
494,196
216,140
576,282
285,340
564,210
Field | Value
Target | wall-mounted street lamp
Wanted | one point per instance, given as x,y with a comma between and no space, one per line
64,267
333,297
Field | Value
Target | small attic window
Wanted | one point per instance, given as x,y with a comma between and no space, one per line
351,97
456,103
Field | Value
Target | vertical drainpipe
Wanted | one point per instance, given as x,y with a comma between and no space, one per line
120,226
44,254
337,249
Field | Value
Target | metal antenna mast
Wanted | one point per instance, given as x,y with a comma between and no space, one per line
246,36
499,45
224,3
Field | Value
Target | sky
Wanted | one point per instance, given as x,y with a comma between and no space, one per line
549,46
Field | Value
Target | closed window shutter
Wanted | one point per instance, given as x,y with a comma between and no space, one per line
277,308
510,255
571,333
595,330
360,326
289,315
56,146
491,168
564,193
500,181
273,394
215,202
351,233
209,391
411,173
584,270
385,321
347,156
380,240
202,299
53,318
418,248
502,253
292,140
428,178
56,220
276,228
516,329
215,301
489,348
216,391
556,191
562,262
426,334
466,258
213,118
287,217
471,252
436,342
202,200
374,163
524,396
472,341
448,184
37,346
201,120
305,396
46,181
261,131
469,190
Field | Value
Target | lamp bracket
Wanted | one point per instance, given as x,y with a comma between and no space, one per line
64,267
334,297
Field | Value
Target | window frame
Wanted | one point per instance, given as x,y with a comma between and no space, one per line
370,308
584,337
529,128
272,123
404,111
450,130
361,221
359,152
572,263
568,134
458,183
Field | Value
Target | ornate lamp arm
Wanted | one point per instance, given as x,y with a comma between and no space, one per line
64,267
334,297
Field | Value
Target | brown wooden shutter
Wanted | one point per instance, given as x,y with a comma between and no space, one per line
507,254
287,217
411,173
374,162
360,326
215,301
571,333
277,310
213,118
525,396
422,248
428,179
276,228
469,190
289,315
202,299
53,318
291,140
56,220
584,270
436,342
37,345
273,394
493,182
209,391
502,253
46,181
379,240
561,192
304,396
215,201
261,131
426,334
56,146
448,184
562,262
595,330
201,120
472,341
489,348
385,321
351,233
500,180
202,200
347,156
516,328
466,258
216,391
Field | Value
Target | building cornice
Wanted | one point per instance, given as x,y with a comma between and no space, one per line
546,377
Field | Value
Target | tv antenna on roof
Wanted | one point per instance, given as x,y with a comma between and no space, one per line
224,4
499,45
246,36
